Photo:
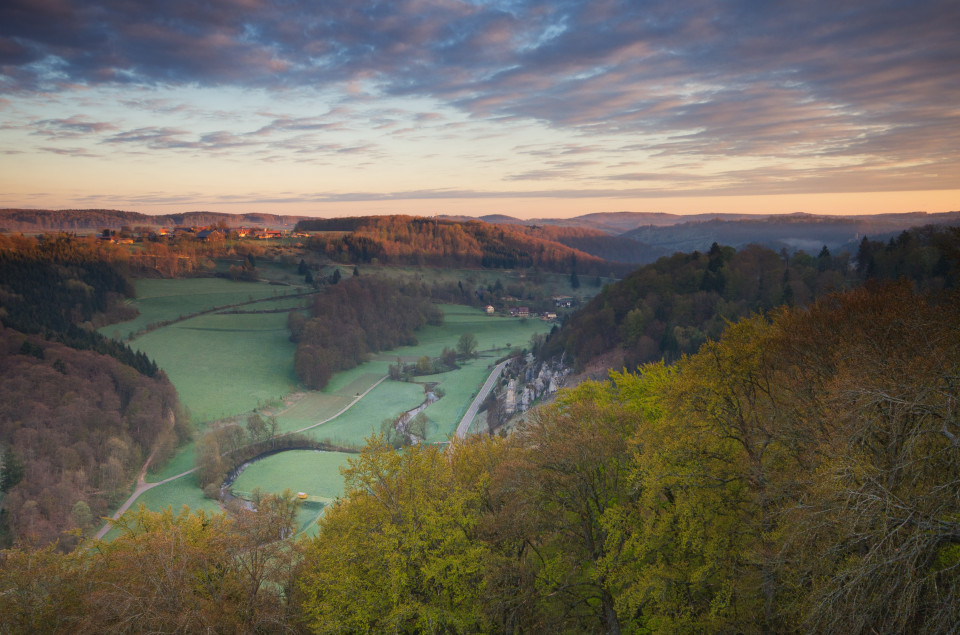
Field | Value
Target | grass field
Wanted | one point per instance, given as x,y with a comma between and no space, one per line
223,365
175,495
309,471
491,332
460,387
159,300
313,407
184,460
387,400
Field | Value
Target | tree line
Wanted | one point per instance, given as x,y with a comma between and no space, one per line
798,473
445,243
354,318
63,289
671,307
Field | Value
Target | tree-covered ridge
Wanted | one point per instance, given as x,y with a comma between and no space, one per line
94,220
64,288
405,239
358,316
671,307
75,426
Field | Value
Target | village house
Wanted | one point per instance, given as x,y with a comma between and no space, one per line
206,235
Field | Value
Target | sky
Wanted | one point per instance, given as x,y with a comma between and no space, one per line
530,108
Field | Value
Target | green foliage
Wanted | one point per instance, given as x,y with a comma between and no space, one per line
397,554
669,308
467,344
359,316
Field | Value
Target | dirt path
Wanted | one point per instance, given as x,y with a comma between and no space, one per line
345,408
142,485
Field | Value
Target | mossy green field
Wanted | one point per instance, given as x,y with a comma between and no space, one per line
224,365
313,472
160,300
386,401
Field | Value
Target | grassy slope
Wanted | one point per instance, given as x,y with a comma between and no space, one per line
159,300
223,365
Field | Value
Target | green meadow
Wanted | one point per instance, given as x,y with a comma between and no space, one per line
491,331
386,401
460,387
313,472
168,299
224,365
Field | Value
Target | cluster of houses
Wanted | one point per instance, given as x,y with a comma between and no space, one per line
523,312
203,234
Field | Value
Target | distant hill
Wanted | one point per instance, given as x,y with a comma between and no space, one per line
627,237
609,235
805,232
445,242
670,307
92,220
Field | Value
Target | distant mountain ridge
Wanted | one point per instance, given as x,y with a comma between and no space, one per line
87,220
628,237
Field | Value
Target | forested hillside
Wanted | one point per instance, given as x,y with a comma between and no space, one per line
444,243
75,426
78,412
671,307
807,232
356,317
94,220
797,474
63,289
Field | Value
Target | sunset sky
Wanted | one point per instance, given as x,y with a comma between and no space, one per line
530,108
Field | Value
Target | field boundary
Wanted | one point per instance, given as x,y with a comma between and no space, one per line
153,326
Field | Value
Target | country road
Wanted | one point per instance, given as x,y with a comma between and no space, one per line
484,391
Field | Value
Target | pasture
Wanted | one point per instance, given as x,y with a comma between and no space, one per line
491,331
310,409
315,473
230,364
311,471
386,401
224,365
183,460
166,299
460,387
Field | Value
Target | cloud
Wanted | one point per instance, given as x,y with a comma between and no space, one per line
75,126
816,80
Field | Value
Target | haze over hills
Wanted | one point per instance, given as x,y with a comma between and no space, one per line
90,220
628,237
